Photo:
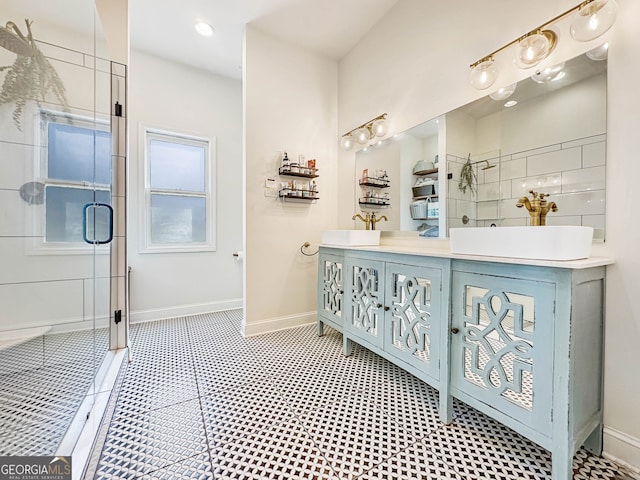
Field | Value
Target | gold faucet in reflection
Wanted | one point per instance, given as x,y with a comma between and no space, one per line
366,220
538,207
375,220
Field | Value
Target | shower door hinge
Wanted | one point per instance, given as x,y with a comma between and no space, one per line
117,316
118,109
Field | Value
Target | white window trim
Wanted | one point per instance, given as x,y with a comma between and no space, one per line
37,243
146,246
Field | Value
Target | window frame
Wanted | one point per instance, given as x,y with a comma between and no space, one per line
147,134
39,244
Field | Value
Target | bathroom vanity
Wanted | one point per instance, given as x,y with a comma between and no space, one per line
520,340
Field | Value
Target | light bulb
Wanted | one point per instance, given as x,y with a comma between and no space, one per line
379,127
534,48
204,29
593,19
484,74
504,92
346,142
362,135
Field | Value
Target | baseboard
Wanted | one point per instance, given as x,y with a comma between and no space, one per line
623,449
184,310
279,323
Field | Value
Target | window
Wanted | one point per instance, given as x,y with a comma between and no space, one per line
179,203
77,170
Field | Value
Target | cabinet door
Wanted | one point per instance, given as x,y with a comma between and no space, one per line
331,288
364,283
413,320
502,345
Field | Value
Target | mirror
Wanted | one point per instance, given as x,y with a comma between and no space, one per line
552,140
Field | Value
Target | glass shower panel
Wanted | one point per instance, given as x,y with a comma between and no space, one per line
54,287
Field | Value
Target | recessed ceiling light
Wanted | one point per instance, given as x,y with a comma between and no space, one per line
204,29
510,103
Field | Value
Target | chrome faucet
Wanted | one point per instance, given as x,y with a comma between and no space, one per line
366,220
538,208
375,220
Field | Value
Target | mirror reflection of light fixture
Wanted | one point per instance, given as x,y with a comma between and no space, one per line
592,18
376,127
504,92
599,53
549,74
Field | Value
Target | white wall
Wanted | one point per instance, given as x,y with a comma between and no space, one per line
290,103
177,98
420,70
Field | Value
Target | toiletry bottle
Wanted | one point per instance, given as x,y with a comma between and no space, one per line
285,161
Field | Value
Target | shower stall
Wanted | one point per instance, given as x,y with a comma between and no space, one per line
62,229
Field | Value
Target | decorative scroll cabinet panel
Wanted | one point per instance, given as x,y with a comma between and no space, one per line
502,334
331,291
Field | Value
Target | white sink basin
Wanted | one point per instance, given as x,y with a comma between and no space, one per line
541,243
350,238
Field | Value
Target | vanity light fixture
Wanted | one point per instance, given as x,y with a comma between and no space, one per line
203,28
592,18
376,127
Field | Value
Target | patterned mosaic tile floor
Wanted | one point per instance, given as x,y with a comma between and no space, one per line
42,383
200,402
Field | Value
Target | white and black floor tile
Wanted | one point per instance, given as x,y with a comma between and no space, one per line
200,401
43,382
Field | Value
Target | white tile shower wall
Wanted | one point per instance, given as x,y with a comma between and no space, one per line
551,162
585,179
37,288
572,172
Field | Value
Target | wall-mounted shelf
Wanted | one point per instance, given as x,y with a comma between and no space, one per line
297,171
431,171
298,194
374,182
425,196
374,202
425,218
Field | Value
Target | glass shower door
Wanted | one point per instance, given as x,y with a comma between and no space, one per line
55,280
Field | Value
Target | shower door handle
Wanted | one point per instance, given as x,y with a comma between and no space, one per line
97,223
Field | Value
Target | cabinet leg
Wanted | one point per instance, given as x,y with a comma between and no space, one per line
320,328
593,443
561,464
347,346
445,407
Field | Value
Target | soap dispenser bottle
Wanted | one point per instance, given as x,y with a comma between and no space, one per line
285,161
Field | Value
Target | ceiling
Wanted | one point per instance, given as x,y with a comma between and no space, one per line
329,27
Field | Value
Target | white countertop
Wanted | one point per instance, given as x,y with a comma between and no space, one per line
440,248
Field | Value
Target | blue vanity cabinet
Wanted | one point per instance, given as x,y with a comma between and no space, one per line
330,289
526,346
